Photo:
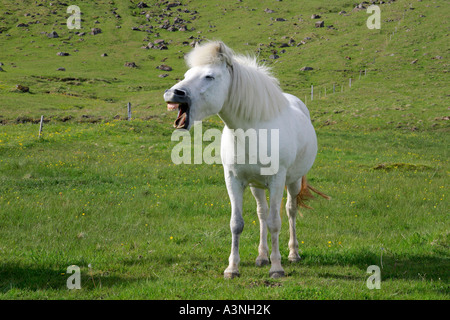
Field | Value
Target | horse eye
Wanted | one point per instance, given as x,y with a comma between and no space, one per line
209,77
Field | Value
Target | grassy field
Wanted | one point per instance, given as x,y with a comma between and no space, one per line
102,193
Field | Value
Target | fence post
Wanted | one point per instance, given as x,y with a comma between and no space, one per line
350,82
129,110
40,126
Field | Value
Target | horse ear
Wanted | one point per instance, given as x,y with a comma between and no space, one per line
221,47
225,53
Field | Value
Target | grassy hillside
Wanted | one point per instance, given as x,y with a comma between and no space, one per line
102,86
102,193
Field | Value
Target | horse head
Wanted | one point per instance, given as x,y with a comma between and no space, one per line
205,87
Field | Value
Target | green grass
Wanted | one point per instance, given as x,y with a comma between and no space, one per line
102,193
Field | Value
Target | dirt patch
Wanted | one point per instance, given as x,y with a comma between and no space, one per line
265,283
401,166
74,79
26,119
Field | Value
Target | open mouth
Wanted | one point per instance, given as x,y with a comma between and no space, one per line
182,120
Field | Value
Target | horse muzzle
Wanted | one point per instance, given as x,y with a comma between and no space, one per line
178,99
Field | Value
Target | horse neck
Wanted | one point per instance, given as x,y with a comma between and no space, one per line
232,121
254,97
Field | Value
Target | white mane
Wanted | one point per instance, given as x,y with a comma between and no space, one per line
255,93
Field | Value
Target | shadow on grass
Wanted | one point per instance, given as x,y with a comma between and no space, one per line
411,268
404,267
36,278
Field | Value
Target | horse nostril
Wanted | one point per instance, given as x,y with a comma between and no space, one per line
179,92
166,90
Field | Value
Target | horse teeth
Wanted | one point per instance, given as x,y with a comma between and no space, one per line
172,106
181,120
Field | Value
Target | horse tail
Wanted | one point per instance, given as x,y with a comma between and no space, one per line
306,194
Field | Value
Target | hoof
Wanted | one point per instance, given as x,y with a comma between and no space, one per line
261,262
231,275
294,258
276,274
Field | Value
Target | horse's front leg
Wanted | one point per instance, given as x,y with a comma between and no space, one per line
235,191
262,210
274,225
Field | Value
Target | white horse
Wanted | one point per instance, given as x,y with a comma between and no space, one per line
246,96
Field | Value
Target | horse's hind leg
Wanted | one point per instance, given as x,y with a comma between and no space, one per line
263,212
274,223
291,211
